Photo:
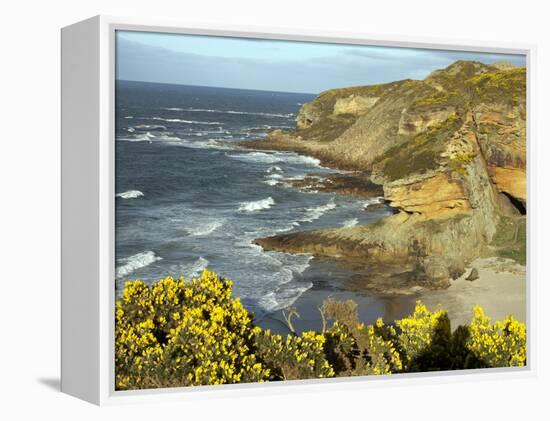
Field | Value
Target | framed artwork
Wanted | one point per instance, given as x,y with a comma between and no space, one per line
245,210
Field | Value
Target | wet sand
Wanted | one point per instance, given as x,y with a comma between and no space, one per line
333,279
500,291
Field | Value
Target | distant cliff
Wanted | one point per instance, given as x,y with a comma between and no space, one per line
450,154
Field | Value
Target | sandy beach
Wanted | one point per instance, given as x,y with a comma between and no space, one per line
501,290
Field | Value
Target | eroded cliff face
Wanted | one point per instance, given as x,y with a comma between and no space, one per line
449,151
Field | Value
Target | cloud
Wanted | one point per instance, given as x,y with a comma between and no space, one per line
343,67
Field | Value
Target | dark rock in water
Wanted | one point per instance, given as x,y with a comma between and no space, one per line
474,274
356,184
374,207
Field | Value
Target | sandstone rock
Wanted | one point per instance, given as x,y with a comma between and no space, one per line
450,152
434,196
412,123
510,180
354,104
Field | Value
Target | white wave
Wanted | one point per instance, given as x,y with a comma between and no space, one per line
313,214
150,127
350,223
208,144
283,298
196,268
131,129
145,137
274,176
206,110
274,168
256,205
130,194
302,159
204,229
129,117
178,120
137,261
372,201
261,157
166,138
190,270
273,158
271,182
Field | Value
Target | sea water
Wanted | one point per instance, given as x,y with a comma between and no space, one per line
189,198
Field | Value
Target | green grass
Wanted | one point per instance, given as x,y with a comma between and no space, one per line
510,239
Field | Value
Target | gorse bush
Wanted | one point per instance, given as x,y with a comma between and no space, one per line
178,333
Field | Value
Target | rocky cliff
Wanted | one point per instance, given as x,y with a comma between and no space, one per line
450,154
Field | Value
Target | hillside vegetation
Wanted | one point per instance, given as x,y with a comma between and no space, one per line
449,152
186,333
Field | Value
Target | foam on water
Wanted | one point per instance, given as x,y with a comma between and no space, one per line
204,229
312,214
274,168
149,127
130,194
350,222
272,158
209,110
256,205
178,120
193,269
135,262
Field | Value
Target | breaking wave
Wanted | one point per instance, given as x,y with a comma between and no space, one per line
206,110
256,205
135,262
350,223
130,194
178,120
313,214
272,158
204,229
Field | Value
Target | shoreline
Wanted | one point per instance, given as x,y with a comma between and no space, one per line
500,289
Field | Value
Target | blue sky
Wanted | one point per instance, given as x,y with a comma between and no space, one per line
275,65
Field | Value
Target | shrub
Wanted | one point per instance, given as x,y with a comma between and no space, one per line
293,357
178,333
502,344
416,332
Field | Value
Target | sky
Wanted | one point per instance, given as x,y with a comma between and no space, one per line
273,65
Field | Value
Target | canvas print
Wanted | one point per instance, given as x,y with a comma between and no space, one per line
301,210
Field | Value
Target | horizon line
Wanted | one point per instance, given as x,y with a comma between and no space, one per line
217,87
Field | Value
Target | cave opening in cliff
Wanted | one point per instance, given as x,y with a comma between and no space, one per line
518,204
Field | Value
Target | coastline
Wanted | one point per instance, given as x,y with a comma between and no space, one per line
500,289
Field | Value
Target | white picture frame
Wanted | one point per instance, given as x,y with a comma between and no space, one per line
88,75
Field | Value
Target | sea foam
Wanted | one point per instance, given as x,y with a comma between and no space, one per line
204,229
179,120
350,223
209,110
130,194
256,205
273,158
137,261
313,214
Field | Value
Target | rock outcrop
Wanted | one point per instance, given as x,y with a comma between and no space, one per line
449,152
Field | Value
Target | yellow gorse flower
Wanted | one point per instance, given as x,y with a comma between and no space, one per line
182,333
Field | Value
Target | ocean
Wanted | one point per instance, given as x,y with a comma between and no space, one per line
188,198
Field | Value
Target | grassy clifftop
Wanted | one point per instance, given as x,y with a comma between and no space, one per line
450,146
